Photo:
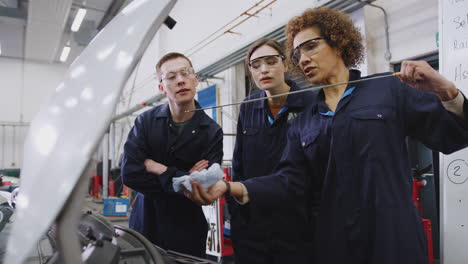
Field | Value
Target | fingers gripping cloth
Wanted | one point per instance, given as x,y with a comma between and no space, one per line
205,177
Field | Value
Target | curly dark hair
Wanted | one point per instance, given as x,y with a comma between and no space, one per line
335,27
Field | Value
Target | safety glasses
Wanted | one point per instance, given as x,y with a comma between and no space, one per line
308,48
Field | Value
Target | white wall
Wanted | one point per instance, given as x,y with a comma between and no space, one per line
12,137
413,28
24,88
10,89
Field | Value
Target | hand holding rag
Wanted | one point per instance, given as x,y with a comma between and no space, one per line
205,177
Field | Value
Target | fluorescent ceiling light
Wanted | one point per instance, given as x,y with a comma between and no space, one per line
0,48
78,19
65,53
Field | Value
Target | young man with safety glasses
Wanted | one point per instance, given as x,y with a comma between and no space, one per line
167,142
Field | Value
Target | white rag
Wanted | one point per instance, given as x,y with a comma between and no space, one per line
205,177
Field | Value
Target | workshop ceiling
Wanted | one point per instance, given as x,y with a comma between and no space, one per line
38,30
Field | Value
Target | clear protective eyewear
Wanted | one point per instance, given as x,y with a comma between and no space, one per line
270,61
308,48
171,77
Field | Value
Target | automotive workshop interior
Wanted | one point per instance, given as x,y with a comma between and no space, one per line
220,131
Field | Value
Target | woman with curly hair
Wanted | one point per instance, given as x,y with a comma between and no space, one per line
357,134
346,155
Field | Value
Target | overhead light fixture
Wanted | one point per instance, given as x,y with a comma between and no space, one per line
0,48
65,53
78,19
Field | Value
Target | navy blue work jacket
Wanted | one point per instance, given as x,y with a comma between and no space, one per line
365,213
259,145
168,219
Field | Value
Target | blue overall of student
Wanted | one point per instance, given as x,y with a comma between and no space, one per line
167,142
262,235
351,146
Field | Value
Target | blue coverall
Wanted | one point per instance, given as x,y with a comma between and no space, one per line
168,219
357,159
265,235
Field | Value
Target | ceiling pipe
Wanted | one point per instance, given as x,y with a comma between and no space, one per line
221,28
197,46
388,54
239,55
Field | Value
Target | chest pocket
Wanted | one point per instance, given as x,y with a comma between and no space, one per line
309,143
372,126
252,142
373,113
250,131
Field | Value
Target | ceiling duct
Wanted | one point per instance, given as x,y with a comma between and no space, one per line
45,26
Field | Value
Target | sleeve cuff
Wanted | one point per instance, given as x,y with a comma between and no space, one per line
245,195
455,105
166,178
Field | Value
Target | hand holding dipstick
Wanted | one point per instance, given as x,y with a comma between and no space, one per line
417,74
295,92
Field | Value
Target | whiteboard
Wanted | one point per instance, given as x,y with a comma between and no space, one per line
453,54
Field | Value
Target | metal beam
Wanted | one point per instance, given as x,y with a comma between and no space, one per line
105,165
13,12
13,124
137,107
